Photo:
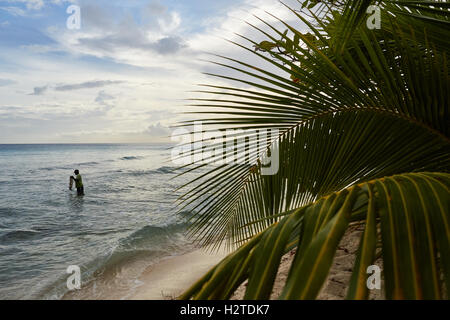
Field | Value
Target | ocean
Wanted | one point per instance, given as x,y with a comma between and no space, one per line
126,221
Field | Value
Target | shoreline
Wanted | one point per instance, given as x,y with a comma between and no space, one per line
172,276
169,277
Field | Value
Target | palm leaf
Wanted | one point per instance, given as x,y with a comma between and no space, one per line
409,263
360,115
349,106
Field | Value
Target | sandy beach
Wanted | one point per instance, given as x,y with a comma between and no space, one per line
169,278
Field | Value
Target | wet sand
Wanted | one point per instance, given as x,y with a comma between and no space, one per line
169,278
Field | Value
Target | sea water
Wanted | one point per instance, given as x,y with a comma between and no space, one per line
126,221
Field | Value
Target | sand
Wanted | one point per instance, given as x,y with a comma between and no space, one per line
169,278
335,286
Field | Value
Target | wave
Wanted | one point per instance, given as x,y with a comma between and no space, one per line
85,164
131,256
161,170
151,237
18,235
142,247
68,167
7,211
53,168
167,169
131,158
91,163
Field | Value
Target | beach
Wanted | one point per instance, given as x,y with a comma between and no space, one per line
169,278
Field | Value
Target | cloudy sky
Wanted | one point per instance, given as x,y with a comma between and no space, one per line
122,76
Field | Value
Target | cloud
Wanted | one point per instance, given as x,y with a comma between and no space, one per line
108,38
32,4
158,16
9,110
29,4
87,85
6,82
169,22
59,2
116,42
155,8
168,45
21,7
37,91
14,11
103,98
106,136
157,130
97,17
157,115
124,41
56,112
136,35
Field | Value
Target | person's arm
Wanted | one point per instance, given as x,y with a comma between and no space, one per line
74,178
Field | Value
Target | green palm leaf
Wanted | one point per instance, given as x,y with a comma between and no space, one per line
370,94
388,206
349,106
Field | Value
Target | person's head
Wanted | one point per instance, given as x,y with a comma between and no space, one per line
76,171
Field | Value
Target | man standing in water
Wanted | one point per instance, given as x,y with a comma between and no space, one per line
78,183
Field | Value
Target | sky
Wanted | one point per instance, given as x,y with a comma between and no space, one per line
123,75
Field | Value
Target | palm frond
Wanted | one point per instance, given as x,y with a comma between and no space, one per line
410,212
379,108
